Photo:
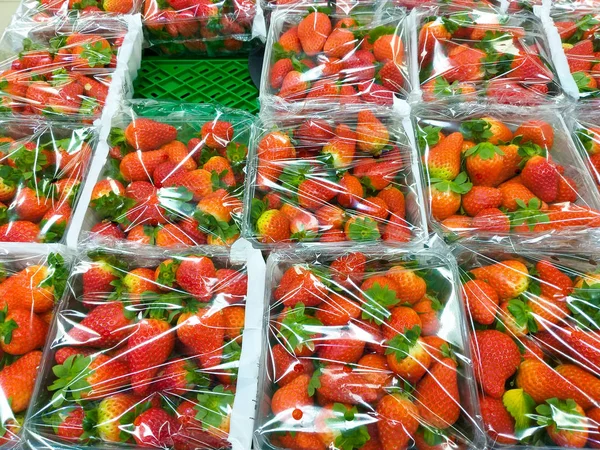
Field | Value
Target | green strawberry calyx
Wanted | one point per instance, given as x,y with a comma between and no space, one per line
214,407
529,214
6,326
584,303
460,185
349,426
363,229
71,379
476,130
379,300
298,328
522,315
113,206
428,136
562,414
485,151
401,344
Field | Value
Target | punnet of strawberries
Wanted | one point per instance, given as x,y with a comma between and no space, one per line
199,26
534,319
586,134
174,175
366,350
499,170
318,179
146,352
579,29
465,55
42,10
42,165
31,286
315,56
65,73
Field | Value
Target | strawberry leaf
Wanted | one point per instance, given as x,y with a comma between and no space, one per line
298,328
112,206
257,208
6,326
428,137
96,54
71,379
214,407
584,303
485,151
351,434
562,414
583,80
28,161
363,229
315,380
476,130
401,344
57,276
379,300
379,31
293,175
520,406
523,316
586,138
460,185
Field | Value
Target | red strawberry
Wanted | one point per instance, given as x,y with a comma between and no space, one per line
149,346
581,56
499,424
139,166
300,285
18,379
147,134
71,426
529,67
495,359
481,301
154,428
278,72
437,395
443,160
342,384
217,134
287,367
97,282
491,220
294,86
313,31
204,333
348,270
541,177
465,64
399,420
290,42
339,43
480,198
345,347
106,326
197,275
292,397
111,410
553,282
313,193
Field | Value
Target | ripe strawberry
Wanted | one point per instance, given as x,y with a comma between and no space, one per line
350,191
406,355
148,212
339,383
465,64
300,439
139,166
512,192
491,220
204,333
371,134
97,281
294,86
290,42
154,428
529,67
443,160
198,182
428,310
537,131
339,43
430,34
217,134
147,134
392,77
553,282
63,353
349,269
398,423
480,198
389,48
179,154
148,347
481,301
33,288
338,310
273,226
341,147
313,193
436,395
18,379
71,426
21,331
541,177
567,190
346,347
499,424
111,410
509,278
581,56
274,146
583,347
29,206
197,275
287,367
444,200
293,396
495,359
411,287
278,72
313,32
484,164
574,434
300,285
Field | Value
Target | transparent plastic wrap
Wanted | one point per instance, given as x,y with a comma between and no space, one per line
586,134
365,349
485,54
42,165
490,171
343,177
173,176
199,26
44,10
219,47
315,56
534,320
32,283
60,68
579,29
153,350
464,4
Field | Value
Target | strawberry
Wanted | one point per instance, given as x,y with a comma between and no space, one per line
111,410
436,395
541,177
348,270
594,416
509,278
21,331
371,134
29,206
300,285
392,77
63,353
406,355
287,367
148,212
372,92
199,182
71,426
147,134
575,433
171,235
35,288
231,284
397,230
339,383
148,347
294,86
338,311
567,190
498,423
107,325
217,134
394,199
481,301
290,42
197,275
97,281
350,191
278,72
330,217
580,56
537,131
292,397
179,376
445,197
18,379
342,147
154,428
234,318
313,32
361,228
580,380
346,347
313,193
553,282
300,440
480,198
583,347
465,64
529,67
484,163
411,286
204,333
273,226
443,160
430,34
331,431
339,43
428,310
274,146
495,359
491,220
514,193
398,421
389,48
139,166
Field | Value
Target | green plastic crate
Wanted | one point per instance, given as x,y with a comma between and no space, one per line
223,81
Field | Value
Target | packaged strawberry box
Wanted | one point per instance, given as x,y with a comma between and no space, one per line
498,170
42,166
316,56
482,53
586,134
365,349
173,176
32,282
153,350
199,26
534,320
60,68
44,10
579,30
342,177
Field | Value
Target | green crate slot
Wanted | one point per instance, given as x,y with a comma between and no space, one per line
223,81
